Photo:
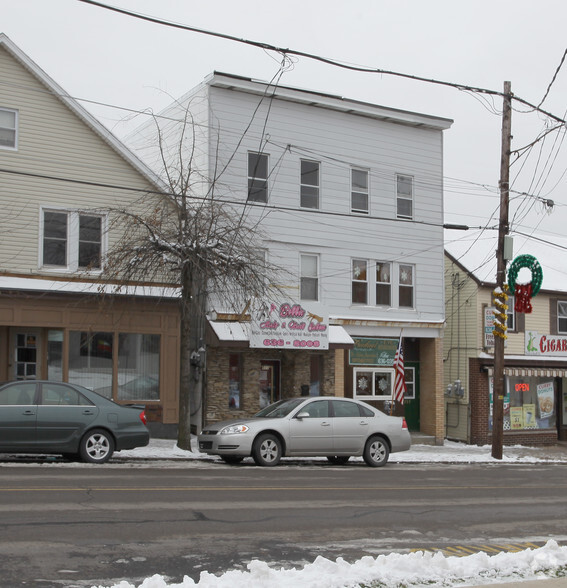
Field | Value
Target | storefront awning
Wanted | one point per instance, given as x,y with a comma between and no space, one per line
526,372
232,333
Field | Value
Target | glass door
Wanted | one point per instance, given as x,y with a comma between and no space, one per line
26,354
269,382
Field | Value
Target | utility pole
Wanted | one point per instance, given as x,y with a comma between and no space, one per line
503,229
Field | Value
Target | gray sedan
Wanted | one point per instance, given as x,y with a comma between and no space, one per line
52,417
337,428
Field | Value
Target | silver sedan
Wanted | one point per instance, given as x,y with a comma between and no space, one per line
336,428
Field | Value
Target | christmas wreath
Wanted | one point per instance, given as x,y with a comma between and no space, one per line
531,263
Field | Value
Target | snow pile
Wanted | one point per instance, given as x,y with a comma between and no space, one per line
386,571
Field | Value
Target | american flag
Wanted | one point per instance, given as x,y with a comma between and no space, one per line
399,376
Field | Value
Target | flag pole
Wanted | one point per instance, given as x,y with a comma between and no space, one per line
396,359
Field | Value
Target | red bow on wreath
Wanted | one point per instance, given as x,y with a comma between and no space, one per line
523,296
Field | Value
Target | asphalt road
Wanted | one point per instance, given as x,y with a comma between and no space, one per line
77,527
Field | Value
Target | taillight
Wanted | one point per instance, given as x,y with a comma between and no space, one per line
144,420
404,424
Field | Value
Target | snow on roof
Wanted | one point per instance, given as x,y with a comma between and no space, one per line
75,287
475,250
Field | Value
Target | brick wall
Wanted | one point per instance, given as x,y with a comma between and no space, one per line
295,370
432,406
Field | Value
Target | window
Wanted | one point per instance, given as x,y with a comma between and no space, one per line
234,380
90,360
404,196
309,287
374,382
60,395
406,286
72,240
359,191
561,316
359,281
383,284
138,366
409,377
341,409
309,189
511,321
318,409
257,177
8,129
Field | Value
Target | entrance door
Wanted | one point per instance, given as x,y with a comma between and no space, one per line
411,401
25,354
269,382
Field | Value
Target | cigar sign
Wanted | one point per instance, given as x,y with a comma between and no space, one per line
288,326
546,345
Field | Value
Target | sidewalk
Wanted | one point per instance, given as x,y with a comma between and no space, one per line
451,452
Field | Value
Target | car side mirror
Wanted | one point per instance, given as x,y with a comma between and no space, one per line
303,415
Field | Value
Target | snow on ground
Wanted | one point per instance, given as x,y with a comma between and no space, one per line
418,569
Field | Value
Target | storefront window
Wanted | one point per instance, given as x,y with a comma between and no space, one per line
376,383
234,380
138,366
529,403
55,355
90,361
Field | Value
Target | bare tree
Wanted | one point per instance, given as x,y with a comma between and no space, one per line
189,239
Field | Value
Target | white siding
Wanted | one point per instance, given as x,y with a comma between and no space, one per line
289,132
53,142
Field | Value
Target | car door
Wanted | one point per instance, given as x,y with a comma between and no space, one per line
62,417
350,427
18,413
313,434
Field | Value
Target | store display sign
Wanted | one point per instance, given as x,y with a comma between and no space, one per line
489,327
288,326
546,345
373,352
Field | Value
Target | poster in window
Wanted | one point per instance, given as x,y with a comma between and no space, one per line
545,399
530,421
516,417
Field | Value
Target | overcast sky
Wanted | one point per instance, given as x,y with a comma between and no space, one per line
106,57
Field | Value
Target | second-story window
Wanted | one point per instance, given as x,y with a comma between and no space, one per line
404,189
383,283
359,281
359,191
8,128
71,240
511,314
406,286
257,177
561,316
309,287
309,189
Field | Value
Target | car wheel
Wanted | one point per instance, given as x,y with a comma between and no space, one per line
338,459
267,450
231,458
376,452
97,446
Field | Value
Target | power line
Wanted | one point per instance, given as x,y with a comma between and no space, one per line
320,58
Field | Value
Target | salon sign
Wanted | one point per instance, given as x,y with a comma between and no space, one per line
288,326
545,345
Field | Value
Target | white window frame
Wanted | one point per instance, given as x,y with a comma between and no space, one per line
561,316
382,283
400,197
412,285
511,314
358,190
14,129
309,277
372,390
256,178
353,281
411,384
72,241
308,187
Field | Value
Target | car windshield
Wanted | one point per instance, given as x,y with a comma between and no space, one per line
280,409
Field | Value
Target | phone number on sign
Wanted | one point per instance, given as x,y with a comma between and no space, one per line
296,343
